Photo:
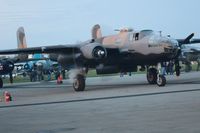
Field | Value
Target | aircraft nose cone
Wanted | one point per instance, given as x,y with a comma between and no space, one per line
171,46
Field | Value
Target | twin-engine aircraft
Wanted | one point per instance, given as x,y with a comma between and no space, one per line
123,52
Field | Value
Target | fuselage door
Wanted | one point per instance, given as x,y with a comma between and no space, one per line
136,36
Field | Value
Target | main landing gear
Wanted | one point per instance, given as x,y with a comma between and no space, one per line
78,76
153,77
79,83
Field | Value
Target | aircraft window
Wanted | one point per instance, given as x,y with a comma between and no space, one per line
144,33
136,36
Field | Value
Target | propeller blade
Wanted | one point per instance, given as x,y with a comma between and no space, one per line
187,40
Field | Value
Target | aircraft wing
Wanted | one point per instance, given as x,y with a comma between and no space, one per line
195,41
30,59
46,49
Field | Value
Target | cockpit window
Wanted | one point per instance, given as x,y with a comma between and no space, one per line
144,33
147,32
141,34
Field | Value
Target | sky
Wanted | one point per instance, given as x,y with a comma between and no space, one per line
53,22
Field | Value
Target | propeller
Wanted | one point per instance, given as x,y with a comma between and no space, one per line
187,40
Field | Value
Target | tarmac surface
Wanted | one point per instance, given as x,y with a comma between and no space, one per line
108,105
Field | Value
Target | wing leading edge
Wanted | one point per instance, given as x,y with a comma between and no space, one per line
46,49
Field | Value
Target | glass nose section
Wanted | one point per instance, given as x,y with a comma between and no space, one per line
170,46
163,42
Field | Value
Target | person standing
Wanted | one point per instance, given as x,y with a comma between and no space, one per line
171,66
163,68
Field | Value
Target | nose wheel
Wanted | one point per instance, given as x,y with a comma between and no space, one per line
153,77
161,81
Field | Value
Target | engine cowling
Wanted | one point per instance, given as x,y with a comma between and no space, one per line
6,67
93,51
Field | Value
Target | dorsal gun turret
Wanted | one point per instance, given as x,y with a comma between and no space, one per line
124,30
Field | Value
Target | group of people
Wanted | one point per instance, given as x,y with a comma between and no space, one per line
37,73
167,68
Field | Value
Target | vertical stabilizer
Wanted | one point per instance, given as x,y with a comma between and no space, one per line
96,32
21,38
21,43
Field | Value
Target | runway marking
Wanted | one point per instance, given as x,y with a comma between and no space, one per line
100,98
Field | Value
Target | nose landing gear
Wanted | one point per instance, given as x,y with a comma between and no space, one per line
161,81
153,77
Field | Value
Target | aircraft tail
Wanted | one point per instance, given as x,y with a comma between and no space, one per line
21,43
96,32
21,38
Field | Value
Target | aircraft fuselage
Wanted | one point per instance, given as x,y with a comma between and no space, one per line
134,48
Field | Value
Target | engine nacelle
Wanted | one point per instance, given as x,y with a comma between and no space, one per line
6,67
93,51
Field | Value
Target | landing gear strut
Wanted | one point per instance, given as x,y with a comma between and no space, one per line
1,83
79,83
177,68
153,77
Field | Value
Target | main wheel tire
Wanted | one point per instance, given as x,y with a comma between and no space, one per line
152,76
1,83
161,80
79,83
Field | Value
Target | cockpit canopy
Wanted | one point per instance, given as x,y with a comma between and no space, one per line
142,34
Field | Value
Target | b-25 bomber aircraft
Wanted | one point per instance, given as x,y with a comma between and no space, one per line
122,52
